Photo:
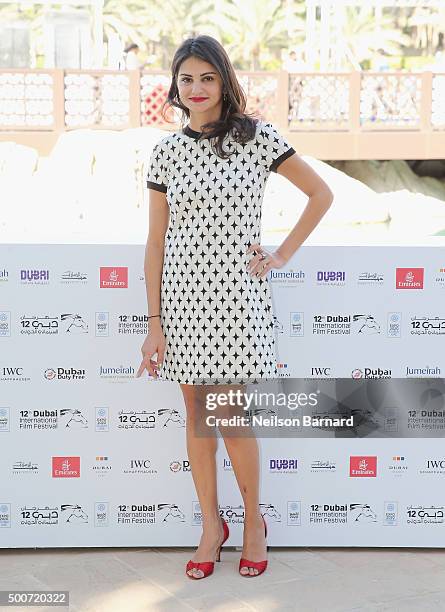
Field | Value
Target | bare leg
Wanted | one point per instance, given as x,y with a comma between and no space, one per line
201,453
242,448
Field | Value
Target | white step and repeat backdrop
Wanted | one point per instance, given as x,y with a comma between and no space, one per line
92,456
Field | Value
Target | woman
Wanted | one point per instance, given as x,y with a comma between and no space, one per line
211,319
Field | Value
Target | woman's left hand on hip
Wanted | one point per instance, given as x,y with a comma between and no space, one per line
263,260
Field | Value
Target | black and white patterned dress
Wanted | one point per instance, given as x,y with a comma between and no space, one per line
216,317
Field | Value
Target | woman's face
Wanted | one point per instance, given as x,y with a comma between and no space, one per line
199,85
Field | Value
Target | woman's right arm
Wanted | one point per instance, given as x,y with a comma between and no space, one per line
153,265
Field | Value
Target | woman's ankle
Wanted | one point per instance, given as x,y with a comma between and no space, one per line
252,518
211,519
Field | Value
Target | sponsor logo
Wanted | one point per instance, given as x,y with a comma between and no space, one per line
4,418
287,277
39,516
323,466
114,278
66,467
430,326
434,467
52,419
71,323
170,513
101,465
180,466
102,324
73,514
133,515
345,324
358,373
102,421
332,514
439,279
390,513
24,467
283,466
13,374
321,372
294,513
426,371
132,324
5,515
331,324
363,466
34,277
370,278
101,514
171,417
116,373
283,370
73,278
394,328
5,323
4,275
425,515
64,374
409,278
334,278
140,466
132,419
366,325
296,324
398,465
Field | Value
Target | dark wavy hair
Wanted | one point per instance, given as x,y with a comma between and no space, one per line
233,116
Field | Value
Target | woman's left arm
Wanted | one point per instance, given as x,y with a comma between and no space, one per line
298,172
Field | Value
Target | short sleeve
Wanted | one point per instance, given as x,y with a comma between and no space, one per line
275,147
157,175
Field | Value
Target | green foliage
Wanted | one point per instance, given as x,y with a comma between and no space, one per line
256,33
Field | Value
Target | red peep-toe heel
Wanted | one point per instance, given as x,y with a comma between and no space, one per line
258,565
207,566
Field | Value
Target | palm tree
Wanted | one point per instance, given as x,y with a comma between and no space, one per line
360,39
127,19
252,28
176,20
428,27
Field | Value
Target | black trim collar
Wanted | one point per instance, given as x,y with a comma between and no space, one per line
192,133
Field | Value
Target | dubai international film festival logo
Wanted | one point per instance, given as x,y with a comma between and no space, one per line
114,278
409,278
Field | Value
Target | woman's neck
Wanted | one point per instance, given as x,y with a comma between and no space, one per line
197,120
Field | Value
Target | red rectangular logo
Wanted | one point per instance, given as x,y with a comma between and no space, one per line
114,278
363,467
66,467
409,278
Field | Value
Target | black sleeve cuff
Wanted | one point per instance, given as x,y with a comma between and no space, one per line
156,186
276,162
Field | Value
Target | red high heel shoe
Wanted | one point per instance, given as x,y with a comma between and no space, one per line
258,565
207,566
